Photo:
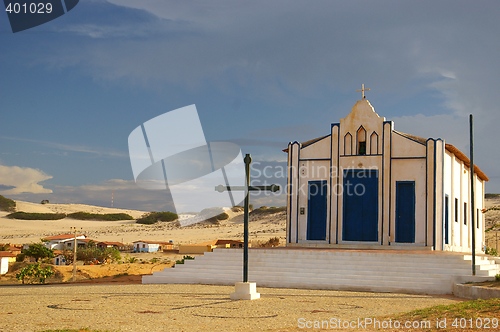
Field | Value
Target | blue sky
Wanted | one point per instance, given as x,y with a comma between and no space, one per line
261,73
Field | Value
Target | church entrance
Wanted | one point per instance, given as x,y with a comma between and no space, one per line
360,207
316,210
405,211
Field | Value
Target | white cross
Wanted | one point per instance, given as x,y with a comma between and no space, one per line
363,91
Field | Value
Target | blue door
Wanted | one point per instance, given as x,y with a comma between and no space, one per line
360,205
316,210
405,211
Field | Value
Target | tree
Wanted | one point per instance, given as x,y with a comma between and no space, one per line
38,251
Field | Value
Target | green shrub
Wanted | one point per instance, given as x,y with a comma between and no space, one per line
6,204
222,216
154,217
268,210
181,261
36,216
497,277
491,251
100,216
129,259
97,255
34,273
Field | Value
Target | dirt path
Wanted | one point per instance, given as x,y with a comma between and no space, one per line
150,308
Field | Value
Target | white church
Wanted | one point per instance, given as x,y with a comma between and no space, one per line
366,185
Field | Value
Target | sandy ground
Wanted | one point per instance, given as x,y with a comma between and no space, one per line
189,307
28,231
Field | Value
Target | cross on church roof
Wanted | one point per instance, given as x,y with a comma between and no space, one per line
363,89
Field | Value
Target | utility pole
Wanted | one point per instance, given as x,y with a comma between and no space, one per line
472,197
75,244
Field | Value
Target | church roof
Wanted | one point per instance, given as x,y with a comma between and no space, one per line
451,148
309,142
460,155
412,137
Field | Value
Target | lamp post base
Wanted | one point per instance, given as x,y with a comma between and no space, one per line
245,291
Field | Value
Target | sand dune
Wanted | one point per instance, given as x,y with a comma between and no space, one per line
27,231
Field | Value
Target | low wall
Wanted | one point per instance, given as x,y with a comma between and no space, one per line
471,292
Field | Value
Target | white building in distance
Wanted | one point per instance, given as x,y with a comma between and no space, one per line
366,185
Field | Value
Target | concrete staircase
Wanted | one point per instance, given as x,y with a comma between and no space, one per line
373,270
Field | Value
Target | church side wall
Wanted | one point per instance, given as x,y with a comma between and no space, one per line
457,187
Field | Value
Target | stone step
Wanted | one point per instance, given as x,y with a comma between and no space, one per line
431,287
355,270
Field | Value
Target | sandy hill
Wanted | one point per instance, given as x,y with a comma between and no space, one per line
14,231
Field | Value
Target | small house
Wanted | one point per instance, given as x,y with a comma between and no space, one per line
5,258
151,246
108,244
64,241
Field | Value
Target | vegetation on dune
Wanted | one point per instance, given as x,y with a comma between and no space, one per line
75,215
6,204
268,210
36,216
218,218
154,217
100,216
490,195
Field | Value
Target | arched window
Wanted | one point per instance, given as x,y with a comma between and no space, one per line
348,144
374,143
361,138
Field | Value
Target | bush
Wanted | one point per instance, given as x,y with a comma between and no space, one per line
6,204
497,277
222,216
33,273
44,201
489,195
95,255
272,242
268,210
154,217
36,216
181,261
491,251
100,216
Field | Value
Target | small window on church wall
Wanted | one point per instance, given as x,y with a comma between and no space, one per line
348,144
362,148
465,213
456,209
477,218
374,143
361,138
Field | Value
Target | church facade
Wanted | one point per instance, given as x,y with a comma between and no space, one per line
366,185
